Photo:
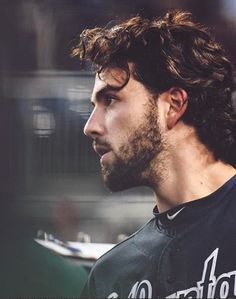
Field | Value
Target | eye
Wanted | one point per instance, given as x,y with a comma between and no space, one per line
109,99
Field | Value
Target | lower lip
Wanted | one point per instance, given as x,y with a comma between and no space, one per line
104,156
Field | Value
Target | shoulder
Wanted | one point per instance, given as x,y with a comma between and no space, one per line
124,251
118,262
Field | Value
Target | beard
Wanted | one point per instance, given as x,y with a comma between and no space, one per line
132,162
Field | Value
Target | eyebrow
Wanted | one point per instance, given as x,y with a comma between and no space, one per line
104,90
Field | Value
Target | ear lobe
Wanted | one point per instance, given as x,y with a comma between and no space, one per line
178,105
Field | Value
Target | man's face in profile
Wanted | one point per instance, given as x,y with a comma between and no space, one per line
125,130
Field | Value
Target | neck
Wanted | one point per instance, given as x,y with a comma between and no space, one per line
189,172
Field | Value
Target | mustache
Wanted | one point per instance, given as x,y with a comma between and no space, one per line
101,147
99,142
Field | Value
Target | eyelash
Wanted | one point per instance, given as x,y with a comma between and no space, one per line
108,99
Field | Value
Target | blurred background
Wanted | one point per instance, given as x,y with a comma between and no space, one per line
49,173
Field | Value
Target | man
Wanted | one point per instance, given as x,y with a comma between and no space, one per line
163,118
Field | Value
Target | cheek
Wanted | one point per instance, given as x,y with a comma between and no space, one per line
118,129
121,121
117,119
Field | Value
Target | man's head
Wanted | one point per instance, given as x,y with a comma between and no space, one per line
125,129
171,53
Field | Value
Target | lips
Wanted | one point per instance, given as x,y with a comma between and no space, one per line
101,149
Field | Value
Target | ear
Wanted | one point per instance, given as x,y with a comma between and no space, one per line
178,102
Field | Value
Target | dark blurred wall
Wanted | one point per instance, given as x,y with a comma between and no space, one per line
39,34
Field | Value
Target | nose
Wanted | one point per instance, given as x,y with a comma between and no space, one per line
94,126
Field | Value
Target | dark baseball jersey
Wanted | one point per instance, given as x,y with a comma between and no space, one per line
186,252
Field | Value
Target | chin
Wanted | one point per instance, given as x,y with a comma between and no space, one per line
116,184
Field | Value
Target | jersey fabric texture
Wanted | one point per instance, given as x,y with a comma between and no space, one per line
186,252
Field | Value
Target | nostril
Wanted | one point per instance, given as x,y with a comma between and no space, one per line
92,132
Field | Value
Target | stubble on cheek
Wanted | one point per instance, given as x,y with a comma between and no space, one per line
131,161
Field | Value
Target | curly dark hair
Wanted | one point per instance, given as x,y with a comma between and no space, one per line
173,51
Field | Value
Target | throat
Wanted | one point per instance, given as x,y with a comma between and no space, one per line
180,189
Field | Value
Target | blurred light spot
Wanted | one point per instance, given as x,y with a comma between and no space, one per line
228,9
79,98
43,121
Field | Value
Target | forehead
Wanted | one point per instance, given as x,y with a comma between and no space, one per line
115,76
116,79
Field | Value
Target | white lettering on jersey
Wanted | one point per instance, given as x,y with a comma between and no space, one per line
140,290
210,286
113,295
